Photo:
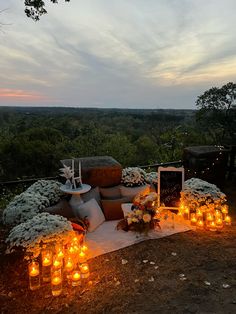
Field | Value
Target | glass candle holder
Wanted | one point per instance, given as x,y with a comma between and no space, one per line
82,257
219,223
56,282
199,213
225,209
84,248
76,278
84,269
211,225
60,251
200,224
57,262
69,264
46,264
186,213
34,275
209,217
193,219
227,220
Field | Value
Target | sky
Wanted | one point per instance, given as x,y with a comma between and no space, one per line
116,53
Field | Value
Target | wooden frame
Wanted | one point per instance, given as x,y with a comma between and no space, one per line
168,169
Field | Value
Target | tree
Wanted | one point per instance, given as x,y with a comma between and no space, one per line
217,113
36,8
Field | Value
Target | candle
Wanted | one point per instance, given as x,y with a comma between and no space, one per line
227,220
218,214
69,265
84,268
82,257
193,219
219,223
57,262
212,226
224,209
84,248
46,264
76,278
34,278
60,251
56,282
200,224
199,213
209,217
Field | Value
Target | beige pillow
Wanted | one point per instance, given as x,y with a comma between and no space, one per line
110,193
133,191
93,212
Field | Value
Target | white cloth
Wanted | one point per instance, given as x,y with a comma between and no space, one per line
106,238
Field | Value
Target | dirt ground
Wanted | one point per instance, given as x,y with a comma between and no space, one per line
194,272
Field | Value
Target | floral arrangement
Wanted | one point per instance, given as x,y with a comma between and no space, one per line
25,206
133,176
67,172
142,217
42,228
201,194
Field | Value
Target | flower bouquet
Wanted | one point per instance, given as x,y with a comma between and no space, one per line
142,217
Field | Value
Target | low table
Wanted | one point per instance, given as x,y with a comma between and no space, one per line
76,199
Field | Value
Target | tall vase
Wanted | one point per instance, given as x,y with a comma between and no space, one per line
68,184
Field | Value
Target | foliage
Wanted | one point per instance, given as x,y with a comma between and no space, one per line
217,113
36,8
41,229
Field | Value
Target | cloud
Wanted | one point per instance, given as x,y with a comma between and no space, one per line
120,53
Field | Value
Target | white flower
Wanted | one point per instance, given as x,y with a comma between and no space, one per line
133,176
66,172
42,228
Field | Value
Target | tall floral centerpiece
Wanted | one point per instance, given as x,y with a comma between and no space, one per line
68,174
142,218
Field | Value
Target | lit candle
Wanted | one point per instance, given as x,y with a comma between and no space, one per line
199,213
69,265
46,264
34,278
224,209
60,251
209,217
57,262
82,257
56,282
200,224
227,220
76,278
218,214
193,219
219,223
84,268
212,226
84,248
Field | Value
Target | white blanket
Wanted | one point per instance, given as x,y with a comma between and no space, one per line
107,239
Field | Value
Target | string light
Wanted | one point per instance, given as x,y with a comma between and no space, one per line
212,164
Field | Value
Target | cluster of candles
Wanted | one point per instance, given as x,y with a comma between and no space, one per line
62,262
212,219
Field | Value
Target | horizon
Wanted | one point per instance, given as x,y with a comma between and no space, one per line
124,55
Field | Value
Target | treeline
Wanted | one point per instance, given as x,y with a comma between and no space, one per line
34,140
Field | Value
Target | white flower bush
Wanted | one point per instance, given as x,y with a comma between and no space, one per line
198,193
42,229
38,196
133,176
47,188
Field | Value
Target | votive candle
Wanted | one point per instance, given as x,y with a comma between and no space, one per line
193,219
34,277
227,220
82,257
200,224
76,278
69,264
56,282
186,214
46,264
84,268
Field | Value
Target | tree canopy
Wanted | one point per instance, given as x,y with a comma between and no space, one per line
217,112
36,8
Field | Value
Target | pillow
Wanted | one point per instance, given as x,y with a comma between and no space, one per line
126,208
93,212
93,193
132,191
62,208
112,208
110,193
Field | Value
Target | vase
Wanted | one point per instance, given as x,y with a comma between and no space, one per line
68,184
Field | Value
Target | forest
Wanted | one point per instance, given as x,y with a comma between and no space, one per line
34,140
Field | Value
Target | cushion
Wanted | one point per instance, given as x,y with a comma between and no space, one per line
93,212
93,193
112,208
132,191
62,208
110,193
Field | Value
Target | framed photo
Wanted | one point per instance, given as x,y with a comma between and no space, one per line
170,184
